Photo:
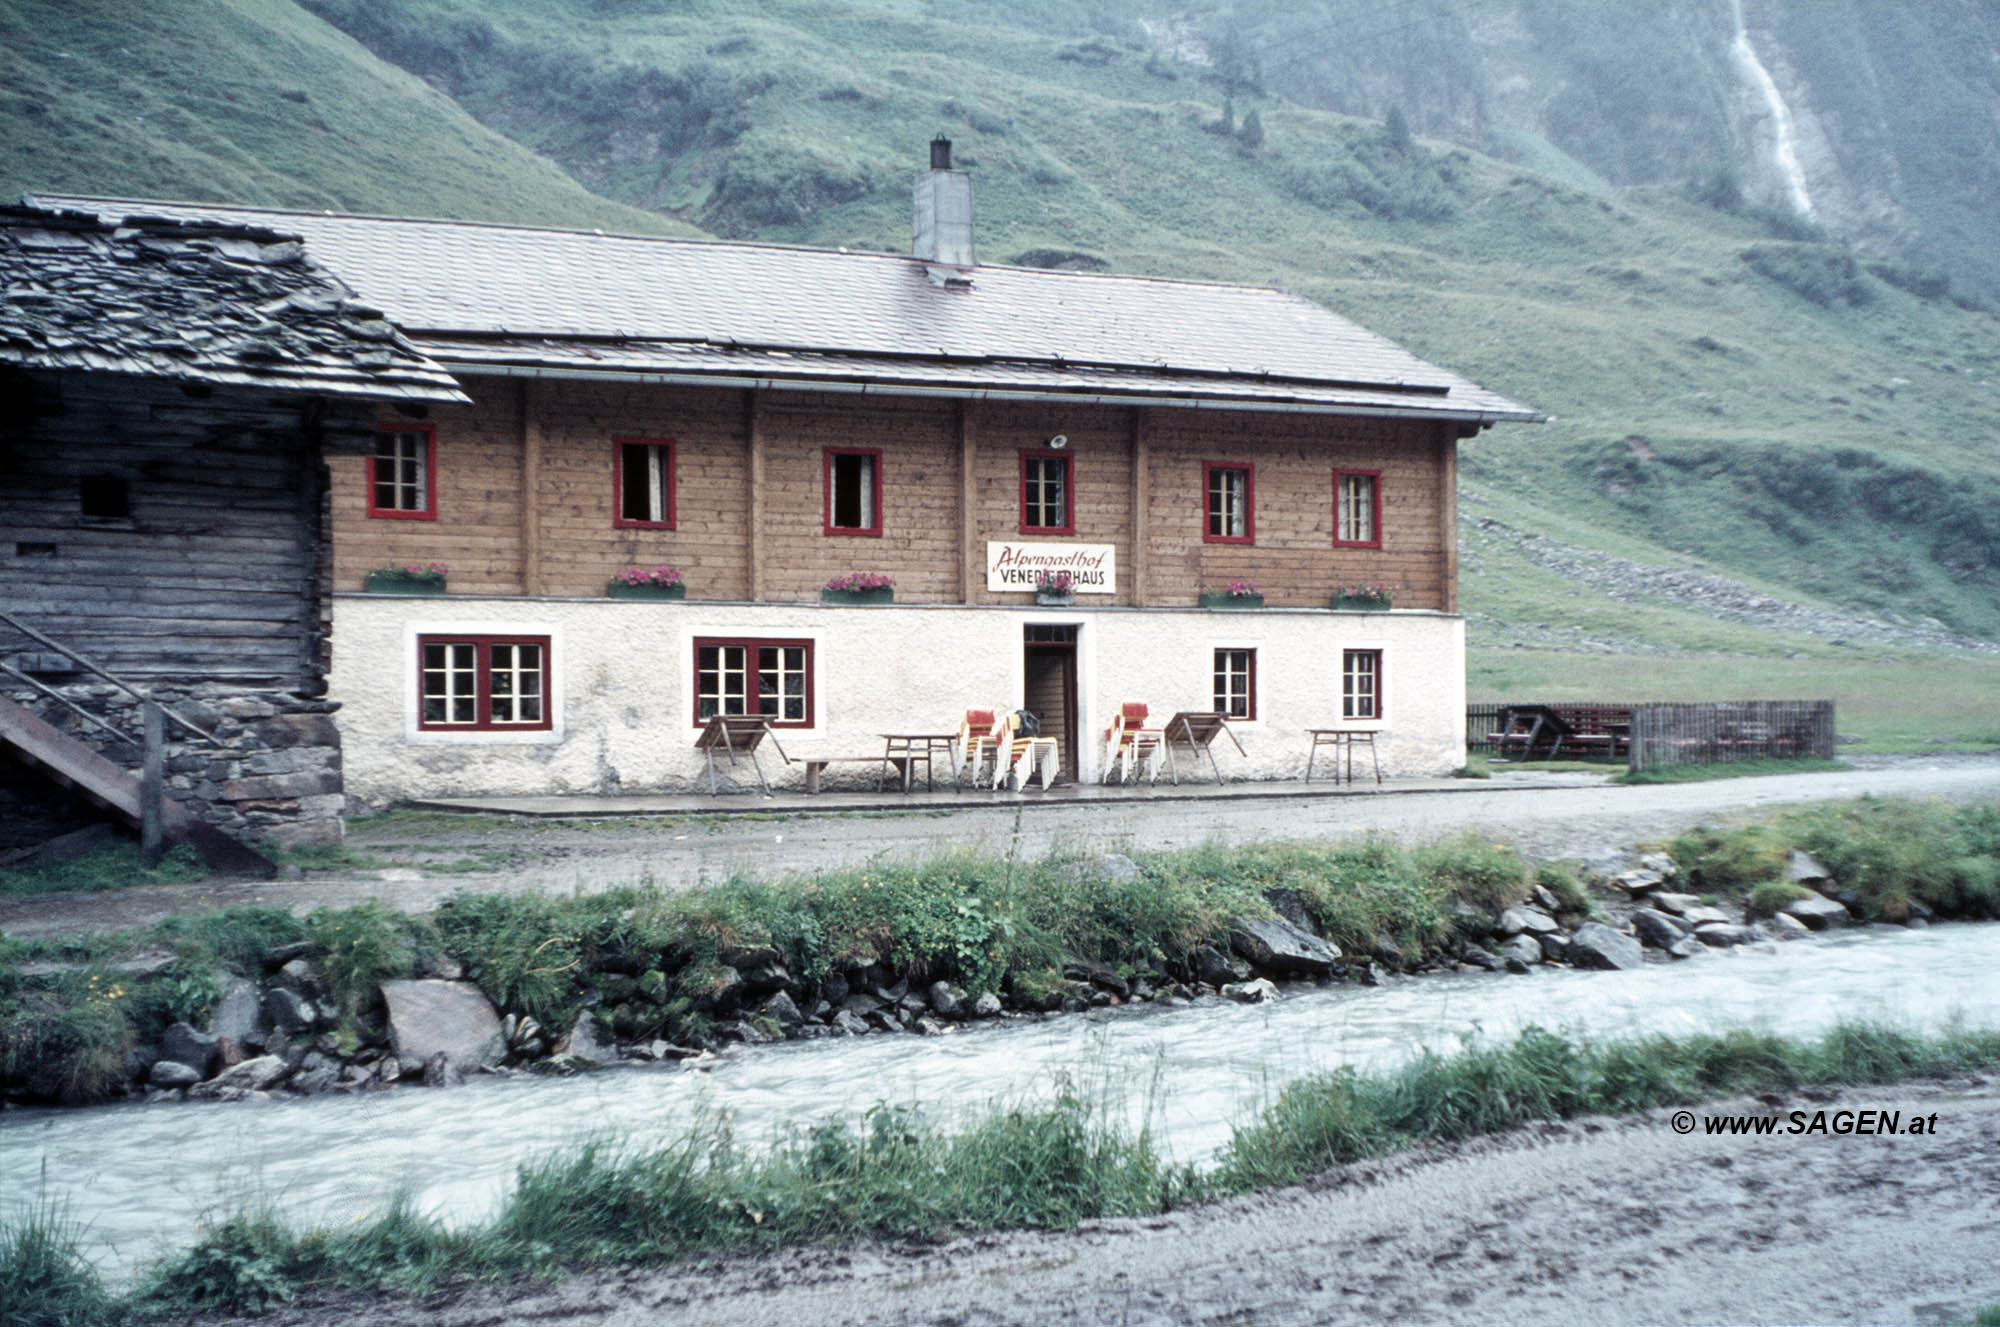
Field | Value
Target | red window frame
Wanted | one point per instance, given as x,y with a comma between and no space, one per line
482,677
1249,681
1249,535
754,643
429,510
671,457
1374,514
826,485
1346,659
1069,493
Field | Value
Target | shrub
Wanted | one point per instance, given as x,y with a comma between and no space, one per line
45,1280
1772,896
1826,274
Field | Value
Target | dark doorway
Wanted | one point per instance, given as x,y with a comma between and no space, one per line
1049,687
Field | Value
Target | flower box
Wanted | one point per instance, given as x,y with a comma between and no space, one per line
1224,599
1360,603
878,594
1055,598
389,580
645,590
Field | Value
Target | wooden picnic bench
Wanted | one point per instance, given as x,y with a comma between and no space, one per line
1543,732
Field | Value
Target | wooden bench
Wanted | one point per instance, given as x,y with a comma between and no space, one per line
1544,732
816,766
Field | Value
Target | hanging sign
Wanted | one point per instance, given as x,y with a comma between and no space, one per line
1015,567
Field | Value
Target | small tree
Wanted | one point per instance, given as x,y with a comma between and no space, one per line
1251,135
1396,126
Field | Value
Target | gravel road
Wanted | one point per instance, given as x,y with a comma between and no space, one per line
1581,817
1597,1221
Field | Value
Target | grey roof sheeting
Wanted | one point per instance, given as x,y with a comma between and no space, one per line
481,294
222,304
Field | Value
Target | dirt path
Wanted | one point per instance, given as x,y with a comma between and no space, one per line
1585,819
1596,1221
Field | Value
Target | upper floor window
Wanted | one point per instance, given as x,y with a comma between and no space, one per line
644,483
1357,500
1361,684
1048,504
402,474
487,683
1236,683
771,678
853,491
1231,491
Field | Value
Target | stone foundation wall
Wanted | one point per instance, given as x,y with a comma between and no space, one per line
275,774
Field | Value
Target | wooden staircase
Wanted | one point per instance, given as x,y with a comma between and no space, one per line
135,798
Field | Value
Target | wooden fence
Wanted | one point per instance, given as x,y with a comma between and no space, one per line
1717,733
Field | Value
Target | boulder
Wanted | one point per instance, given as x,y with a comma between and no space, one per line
249,1076
1097,974
1658,929
300,975
583,1042
1686,947
986,1006
1638,883
1720,935
946,1001
172,1073
1258,991
1802,868
239,1012
1596,945
1784,926
847,1023
833,988
1481,958
749,956
1289,904
1702,916
1212,965
288,1011
1661,863
1555,947
1674,903
781,1010
1275,945
439,1071
455,1017
1521,953
1386,951
1515,920
1818,913
190,1046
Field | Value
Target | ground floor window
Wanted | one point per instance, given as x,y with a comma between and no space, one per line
1361,684
483,682
771,678
1236,683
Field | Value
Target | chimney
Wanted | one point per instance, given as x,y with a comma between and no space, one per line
943,199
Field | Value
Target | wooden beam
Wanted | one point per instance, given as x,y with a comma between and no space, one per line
1447,473
1141,500
971,562
531,486
753,444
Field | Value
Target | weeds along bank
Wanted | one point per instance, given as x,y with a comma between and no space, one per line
248,1001
896,1175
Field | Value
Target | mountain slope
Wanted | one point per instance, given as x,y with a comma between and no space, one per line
254,101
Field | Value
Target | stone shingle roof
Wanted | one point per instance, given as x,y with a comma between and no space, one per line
217,303
483,295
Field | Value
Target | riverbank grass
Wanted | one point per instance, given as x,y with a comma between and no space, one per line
896,1174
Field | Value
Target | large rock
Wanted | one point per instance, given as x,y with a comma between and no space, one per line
1212,966
1275,945
1662,863
1783,926
1802,868
172,1073
1515,920
1100,975
288,1011
249,1076
1721,935
1658,929
1596,945
1481,958
947,1001
583,1042
986,1006
1674,903
1555,947
1521,953
455,1017
190,1046
1258,991
1703,916
1818,913
239,1013
1639,883
781,1010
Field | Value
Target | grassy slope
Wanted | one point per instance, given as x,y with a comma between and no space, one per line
1842,454
254,101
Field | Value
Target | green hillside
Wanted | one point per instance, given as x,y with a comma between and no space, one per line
254,101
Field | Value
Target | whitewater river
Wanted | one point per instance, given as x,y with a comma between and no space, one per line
142,1177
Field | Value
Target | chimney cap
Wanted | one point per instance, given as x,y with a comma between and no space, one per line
940,153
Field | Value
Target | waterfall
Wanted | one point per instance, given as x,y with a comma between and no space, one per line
1784,149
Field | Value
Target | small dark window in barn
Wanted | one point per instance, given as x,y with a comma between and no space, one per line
105,496
402,473
645,483
853,491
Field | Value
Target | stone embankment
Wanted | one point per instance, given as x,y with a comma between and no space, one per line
278,1031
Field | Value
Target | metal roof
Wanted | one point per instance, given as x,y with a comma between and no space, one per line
224,304
521,298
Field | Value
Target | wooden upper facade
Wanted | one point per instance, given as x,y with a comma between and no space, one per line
526,483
